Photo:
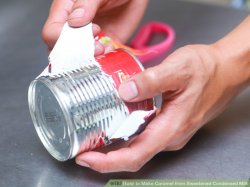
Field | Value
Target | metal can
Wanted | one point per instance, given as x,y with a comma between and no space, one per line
81,110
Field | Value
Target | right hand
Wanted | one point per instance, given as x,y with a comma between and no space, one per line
117,18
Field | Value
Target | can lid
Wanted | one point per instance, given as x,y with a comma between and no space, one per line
50,121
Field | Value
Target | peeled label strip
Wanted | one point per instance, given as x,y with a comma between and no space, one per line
73,49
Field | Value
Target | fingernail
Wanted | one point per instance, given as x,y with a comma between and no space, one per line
99,49
82,163
96,29
77,13
128,90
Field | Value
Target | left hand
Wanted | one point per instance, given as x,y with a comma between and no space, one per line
117,18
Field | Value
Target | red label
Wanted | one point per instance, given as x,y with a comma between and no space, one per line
121,65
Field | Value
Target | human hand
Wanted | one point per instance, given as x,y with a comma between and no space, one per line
117,18
196,83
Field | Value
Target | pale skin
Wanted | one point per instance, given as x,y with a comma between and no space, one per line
112,16
197,82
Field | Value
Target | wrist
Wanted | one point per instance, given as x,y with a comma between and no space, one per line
234,67
233,52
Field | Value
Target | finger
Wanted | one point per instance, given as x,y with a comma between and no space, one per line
131,158
96,29
58,15
99,48
115,22
151,82
164,130
83,12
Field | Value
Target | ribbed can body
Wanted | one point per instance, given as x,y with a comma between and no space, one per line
80,110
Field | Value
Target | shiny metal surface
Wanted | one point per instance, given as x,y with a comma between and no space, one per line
73,112
219,150
80,110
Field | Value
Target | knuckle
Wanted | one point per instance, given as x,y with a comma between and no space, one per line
176,147
99,169
135,167
195,57
182,65
191,54
47,36
44,33
152,80
180,135
179,147
150,74
135,163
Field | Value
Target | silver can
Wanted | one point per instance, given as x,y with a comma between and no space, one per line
81,110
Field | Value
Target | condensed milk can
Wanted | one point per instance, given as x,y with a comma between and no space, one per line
81,110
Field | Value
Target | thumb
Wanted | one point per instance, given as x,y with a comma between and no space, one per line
149,83
83,12
58,15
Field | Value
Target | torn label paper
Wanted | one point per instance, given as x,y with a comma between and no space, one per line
132,124
73,49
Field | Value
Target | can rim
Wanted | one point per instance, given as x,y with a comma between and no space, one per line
63,106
